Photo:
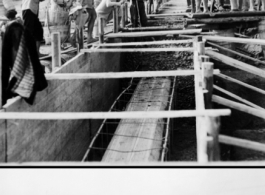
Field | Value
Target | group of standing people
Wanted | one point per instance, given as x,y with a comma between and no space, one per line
236,5
94,8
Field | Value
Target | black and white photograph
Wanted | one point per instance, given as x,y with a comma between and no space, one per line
132,83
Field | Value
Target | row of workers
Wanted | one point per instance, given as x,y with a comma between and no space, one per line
94,8
236,5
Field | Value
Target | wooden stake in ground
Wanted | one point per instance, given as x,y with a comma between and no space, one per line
207,68
101,30
56,50
201,134
213,128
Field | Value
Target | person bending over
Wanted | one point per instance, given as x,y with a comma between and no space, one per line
104,10
89,6
205,6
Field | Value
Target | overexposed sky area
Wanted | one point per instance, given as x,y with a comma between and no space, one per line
132,181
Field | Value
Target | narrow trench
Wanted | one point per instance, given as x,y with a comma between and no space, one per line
182,138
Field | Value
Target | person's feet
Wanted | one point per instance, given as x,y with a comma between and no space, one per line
221,9
92,40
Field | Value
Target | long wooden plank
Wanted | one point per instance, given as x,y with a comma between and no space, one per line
242,143
223,20
237,97
112,75
140,50
199,103
235,40
235,63
145,43
113,115
238,106
241,83
168,15
237,53
154,33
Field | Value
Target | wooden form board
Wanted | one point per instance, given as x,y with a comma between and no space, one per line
154,33
150,95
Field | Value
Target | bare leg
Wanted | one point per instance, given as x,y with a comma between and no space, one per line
251,5
198,6
234,5
263,5
205,6
91,22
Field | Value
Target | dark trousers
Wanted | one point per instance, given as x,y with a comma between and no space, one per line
134,13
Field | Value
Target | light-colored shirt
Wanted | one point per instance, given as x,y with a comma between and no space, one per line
102,9
8,4
33,5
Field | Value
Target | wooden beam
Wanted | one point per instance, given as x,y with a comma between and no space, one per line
56,50
145,43
239,106
228,14
235,40
151,28
112,115
213,129
110,50
257,146
101,30
224,20
115,75
207,68
241,83
235,63
154,33
199,102
237,53
237,97
169,15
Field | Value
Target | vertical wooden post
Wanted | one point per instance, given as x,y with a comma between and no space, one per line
201,134
56,50
81,38
213,128
122,15
205,58
207,68
201,49
115,19
101,30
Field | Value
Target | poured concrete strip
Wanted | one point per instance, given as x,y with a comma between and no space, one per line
143,141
